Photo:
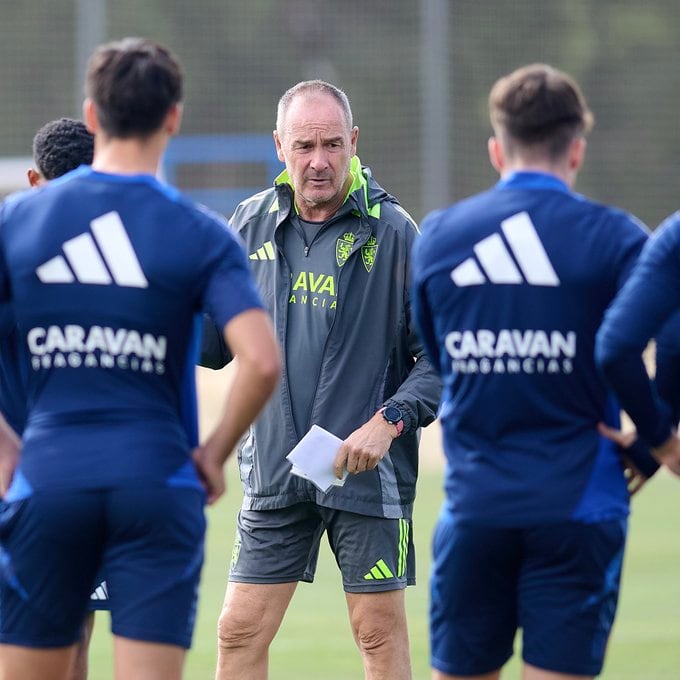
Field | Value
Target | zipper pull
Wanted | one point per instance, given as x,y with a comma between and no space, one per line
306,251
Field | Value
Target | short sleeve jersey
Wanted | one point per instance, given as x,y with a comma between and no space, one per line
510,287
107,276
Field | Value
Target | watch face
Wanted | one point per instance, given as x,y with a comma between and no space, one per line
392,414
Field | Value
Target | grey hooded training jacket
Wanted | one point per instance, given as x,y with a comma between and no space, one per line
372,356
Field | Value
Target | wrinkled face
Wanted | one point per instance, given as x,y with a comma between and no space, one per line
317,144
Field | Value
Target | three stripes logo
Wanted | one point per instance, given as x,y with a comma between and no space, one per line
100,593
265,252
380,570
495,264
102,258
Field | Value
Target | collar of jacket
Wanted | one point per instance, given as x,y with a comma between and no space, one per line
357,195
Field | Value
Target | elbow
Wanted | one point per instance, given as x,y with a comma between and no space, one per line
604,360
251,339
608,354
265,369
270,371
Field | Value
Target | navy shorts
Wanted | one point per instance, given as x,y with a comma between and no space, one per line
148,541
559,583
280,546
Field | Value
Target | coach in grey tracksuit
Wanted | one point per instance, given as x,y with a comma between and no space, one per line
369,357
337,291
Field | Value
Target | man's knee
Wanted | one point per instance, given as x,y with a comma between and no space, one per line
379,621
238,628
375,636
251,615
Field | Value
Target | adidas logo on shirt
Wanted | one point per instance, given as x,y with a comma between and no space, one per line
495,264
102,258
265,252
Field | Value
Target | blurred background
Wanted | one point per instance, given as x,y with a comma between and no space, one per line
417,73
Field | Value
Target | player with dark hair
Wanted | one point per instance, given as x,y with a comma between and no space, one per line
509,289
108,271
59,147
77,143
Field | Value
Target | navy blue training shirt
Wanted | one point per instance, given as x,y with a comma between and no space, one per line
107,276
647,306
12,373
509,288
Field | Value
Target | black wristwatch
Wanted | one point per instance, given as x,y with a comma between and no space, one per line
394,416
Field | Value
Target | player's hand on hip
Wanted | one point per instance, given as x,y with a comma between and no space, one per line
623,439
635,479
365,447
668,454
210,472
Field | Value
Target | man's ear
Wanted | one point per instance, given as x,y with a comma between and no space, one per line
90,116
34,177
173,120
353,140
496,154
279,148
577,153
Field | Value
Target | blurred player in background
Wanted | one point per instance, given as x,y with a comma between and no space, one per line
77,143
648,306
59,146
330,250
107,271
510,287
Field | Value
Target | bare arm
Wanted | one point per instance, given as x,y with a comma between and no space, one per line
251,339
10,446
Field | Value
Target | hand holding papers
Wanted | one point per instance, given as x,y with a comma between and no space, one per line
313,458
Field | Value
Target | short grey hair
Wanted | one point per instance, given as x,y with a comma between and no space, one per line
311,87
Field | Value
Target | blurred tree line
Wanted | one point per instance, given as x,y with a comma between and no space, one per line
239,57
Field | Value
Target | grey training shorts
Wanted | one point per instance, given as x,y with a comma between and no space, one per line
281,546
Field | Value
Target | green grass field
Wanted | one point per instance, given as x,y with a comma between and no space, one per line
315,641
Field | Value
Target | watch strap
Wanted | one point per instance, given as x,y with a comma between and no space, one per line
399,424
